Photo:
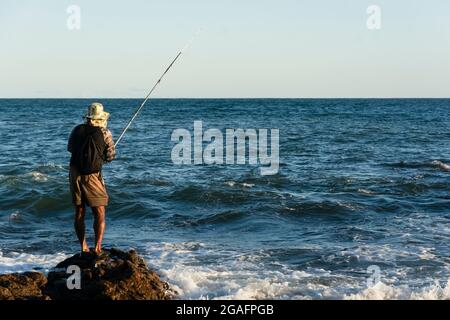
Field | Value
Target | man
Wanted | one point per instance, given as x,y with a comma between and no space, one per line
91,145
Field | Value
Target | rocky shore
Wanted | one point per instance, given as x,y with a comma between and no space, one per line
112,275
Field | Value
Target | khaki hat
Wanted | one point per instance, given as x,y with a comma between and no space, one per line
95,112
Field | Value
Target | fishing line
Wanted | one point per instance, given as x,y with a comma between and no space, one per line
154,87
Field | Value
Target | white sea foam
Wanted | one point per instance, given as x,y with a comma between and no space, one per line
199,271
365,191
37,176
22,262
194,282
33,175
16,215
441,165
244,185
54,165
235,278
246,276
230,183
381,291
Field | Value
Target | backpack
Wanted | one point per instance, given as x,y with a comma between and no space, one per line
88,155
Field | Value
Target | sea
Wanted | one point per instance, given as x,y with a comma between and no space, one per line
359,208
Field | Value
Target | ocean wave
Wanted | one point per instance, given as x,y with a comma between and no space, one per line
209,219
15,216
441,165
33,176
38,176
49,167
381,291
235,278
136,210
275,181
40,173
246,275
433,164
238,184
22,262
126,180
414,186
198,270
199,194
325,207
221,217
366,191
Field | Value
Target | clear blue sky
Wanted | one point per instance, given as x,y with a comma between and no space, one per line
249,48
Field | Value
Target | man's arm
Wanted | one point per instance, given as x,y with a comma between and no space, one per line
110,150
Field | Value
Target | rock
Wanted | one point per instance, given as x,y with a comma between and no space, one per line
26,286
113,275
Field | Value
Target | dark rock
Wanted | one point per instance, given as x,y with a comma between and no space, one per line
113,275
26,286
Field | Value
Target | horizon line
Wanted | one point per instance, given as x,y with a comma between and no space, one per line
230,98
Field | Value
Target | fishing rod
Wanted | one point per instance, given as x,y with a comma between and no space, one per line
151,91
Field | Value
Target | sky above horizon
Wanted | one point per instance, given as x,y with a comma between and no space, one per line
249,49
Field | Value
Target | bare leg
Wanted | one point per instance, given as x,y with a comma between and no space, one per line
80,227
99,227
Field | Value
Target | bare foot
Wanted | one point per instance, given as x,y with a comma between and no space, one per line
85,248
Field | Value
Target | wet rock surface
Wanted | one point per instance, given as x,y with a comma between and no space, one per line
25,286
112,275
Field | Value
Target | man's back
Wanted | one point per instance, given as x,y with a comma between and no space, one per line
101,137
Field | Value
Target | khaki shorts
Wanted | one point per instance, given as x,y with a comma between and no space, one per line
88,189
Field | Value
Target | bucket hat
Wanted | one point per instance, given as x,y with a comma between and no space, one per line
96,112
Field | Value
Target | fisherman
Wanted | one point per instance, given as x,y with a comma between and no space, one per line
91,145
